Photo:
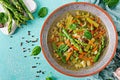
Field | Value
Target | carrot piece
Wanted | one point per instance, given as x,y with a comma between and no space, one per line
95,30
91,61
59,43
93,45
98,20
92,18
81,24
100,34
92,32
73,21
82,54
85,58
78,16
88,59
68,42
91,25
91,42
68,56
74,48
76,36
80,32
95,48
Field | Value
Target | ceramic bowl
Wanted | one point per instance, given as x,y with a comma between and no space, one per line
108,53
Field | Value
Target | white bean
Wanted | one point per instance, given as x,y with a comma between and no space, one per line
88,63
83,63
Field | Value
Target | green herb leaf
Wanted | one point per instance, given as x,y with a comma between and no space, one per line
61,34
54,46
49,78
43,12
3,18
63,48
88,34
111,3
36,50
64,59
72,26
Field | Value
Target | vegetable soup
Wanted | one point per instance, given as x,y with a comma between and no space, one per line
78,39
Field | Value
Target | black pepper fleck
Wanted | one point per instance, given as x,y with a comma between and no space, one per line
24,50
28,41
25,56
28,48
33,36
38,57
11,36
28,32
38,71
32,44
43,72
34,66
37,76
118,33
36,40
23,37
10,48
21,43
34,57
33,41
36,63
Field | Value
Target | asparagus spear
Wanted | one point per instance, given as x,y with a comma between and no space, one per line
18,6
9,19
98,54
100,50
72,40
26,9
17,16
11,8
103,42
6,0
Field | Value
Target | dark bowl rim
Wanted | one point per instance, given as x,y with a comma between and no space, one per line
73,75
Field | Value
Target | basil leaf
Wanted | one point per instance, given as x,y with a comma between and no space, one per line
3,18
61,50
72,26
88,34
111,3
49,78
36,50
43,12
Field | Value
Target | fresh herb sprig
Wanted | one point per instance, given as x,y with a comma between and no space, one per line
3,18
111,3
43,12
36,50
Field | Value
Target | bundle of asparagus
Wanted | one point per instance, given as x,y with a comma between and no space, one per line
16,9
